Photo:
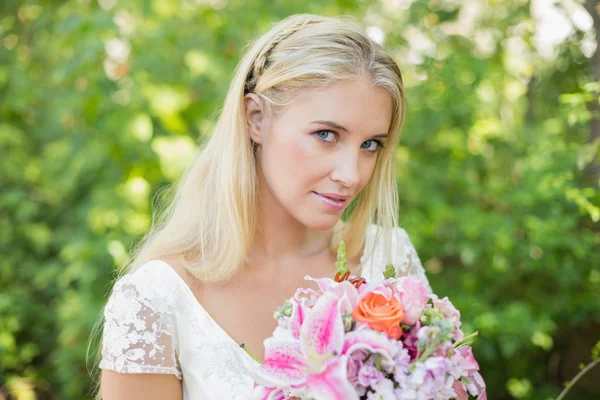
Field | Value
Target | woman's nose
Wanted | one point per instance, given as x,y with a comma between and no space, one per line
346,170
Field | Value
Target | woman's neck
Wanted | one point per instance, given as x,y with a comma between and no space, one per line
277,240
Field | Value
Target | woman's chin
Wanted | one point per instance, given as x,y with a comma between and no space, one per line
321,222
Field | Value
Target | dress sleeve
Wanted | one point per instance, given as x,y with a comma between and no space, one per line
139,329
408,262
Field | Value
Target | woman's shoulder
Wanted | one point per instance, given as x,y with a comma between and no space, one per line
155,284
140,322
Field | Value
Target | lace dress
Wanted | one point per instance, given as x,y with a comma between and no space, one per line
154,324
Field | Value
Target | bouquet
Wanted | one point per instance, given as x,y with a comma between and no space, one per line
352,339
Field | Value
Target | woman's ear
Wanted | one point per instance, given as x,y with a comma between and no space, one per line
254,116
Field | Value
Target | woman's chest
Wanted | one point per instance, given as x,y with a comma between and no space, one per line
246,316
213,364
244,308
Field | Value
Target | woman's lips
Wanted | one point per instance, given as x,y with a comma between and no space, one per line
332,204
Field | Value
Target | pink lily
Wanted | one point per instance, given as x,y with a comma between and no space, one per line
324,283
315,364
265,393
310,365
299,311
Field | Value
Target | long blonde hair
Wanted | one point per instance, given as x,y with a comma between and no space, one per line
209,223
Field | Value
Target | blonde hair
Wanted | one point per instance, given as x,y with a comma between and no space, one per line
209,224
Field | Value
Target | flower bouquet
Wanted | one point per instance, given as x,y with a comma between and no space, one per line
352,339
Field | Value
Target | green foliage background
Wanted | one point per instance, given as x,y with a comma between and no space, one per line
498,168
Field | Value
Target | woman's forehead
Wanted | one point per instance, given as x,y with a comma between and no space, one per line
355,105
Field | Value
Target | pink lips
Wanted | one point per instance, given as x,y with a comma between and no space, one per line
337,203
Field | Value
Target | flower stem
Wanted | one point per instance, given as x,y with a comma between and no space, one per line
467,340
243,346
577,377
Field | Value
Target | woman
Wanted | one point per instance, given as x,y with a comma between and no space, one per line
307,131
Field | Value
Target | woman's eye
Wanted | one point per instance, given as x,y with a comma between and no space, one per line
326,136
372,145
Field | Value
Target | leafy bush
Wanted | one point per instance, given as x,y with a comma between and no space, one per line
102,106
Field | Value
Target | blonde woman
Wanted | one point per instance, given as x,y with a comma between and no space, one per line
308,130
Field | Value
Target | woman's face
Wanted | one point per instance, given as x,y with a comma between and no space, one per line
319,152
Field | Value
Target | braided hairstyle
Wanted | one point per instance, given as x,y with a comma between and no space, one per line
262,59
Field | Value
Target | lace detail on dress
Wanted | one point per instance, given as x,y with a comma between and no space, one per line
403,255
410,263
223,362
139,330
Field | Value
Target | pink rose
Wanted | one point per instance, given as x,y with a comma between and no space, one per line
414,296
384,288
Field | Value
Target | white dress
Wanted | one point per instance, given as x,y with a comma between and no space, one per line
154,324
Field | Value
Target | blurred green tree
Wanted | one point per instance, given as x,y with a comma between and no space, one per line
102,104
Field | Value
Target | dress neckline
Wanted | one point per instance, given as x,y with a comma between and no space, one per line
249,358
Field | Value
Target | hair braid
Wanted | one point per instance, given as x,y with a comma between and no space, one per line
260,64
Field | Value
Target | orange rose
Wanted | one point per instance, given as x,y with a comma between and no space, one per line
380,314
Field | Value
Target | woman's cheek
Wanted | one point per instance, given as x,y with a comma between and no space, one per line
366,173
305,156
297,153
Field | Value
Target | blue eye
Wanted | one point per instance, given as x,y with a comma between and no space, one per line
370,143
324,135
372,146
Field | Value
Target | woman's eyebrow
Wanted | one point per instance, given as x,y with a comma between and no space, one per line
331,124
341,128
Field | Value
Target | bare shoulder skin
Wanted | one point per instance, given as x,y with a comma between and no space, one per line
116,386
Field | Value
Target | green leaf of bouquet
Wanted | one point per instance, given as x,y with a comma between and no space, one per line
390,271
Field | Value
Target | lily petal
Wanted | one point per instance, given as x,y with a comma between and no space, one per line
348,295
297,318
332,384
323,283
322,333
283,365
345,291
268,393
